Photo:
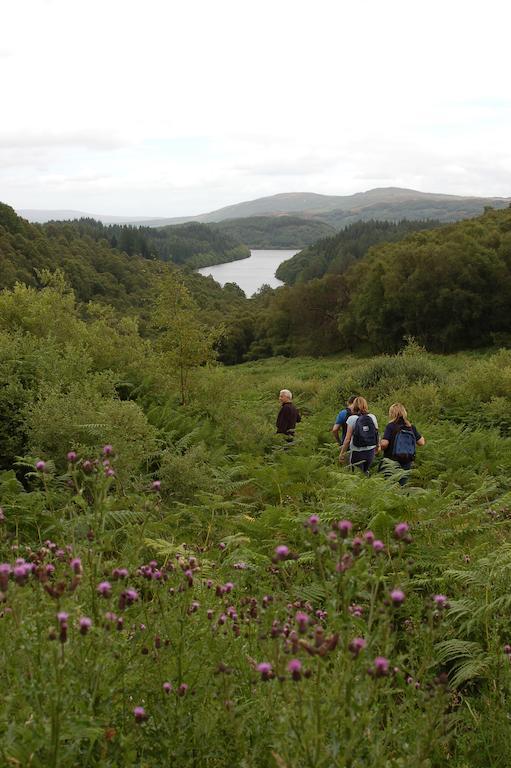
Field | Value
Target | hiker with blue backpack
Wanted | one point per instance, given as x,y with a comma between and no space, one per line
399,442
361,436
341,421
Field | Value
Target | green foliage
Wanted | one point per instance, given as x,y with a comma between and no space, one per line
275,231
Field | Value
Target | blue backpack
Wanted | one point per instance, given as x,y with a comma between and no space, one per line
365,433
405,446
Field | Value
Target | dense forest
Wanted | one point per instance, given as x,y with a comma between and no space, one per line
334,254
275,231
448,286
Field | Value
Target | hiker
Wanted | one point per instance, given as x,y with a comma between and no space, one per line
342,418
288,415
361,436
399,442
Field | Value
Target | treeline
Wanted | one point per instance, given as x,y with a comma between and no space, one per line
196,245
333,255
275,231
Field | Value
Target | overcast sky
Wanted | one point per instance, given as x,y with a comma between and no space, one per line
168,108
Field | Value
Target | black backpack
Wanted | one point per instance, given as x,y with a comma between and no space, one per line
405,445
365,433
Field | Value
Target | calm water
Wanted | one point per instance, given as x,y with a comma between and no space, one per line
250,274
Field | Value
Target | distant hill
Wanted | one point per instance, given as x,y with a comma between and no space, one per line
389,203
275,231
40,216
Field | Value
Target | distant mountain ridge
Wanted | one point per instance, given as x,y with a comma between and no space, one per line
389,203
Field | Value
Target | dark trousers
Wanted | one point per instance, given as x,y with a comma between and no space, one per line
389,466
362,460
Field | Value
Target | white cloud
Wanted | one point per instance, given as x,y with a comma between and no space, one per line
278,97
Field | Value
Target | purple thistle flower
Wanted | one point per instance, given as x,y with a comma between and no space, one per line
222,545
21,573
139,714
356,645
107,450
240,566
345,527
71,457
167,687
85,624
397,596
109,472
49,568
228,586
507,649
5,570
265,669
295,669
369,537
87,466
440,601
62,617
400,530
104,588
182,690
40,466
381,666
156,485
378,545
281,552
356,545
356,610
302,619
120,573
76,565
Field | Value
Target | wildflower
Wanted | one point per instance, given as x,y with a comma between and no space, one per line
85,624
140,714
295,669
127,597
222,545
313,522
381,666
5,570
209,614
265,669
182,690
356,645
302,619
209,583
345,527
507,649
156,485
107,450
76,565
281,552
194,607
110,472
104,588
228,586
378,546
369,537
62,617
397,596
440,601
120,573
71,457
21,573
400,530
356,545
240,566
40,466
167,687
87,466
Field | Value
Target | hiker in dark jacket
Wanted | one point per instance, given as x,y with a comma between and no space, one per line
399,442
361,437
341,422
288,415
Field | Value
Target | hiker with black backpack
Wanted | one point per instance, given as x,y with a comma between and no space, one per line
399,442
341,421
361,436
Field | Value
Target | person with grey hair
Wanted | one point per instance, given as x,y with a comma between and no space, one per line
288,415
